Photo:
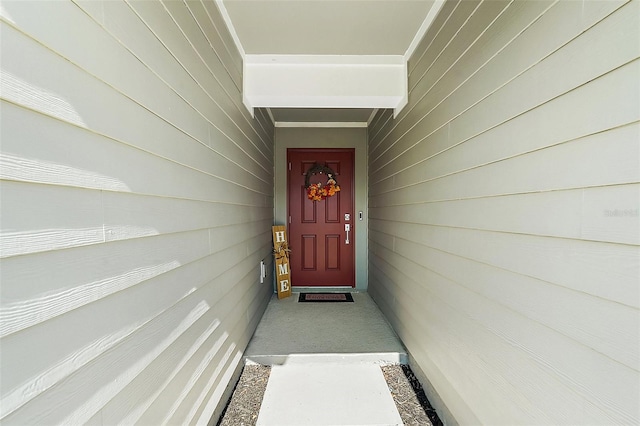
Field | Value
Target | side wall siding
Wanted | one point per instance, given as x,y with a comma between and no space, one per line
503,207
137,203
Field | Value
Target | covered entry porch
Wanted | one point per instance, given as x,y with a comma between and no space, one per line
500,232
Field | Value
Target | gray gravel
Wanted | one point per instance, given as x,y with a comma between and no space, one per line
244,405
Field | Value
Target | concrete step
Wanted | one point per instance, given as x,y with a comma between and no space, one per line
327,395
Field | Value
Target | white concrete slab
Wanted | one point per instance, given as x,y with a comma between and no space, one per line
330,394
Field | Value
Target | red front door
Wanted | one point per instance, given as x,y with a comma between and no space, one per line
322,250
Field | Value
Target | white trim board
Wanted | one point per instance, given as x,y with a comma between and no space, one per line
230,27
372,116
329,81
320,124
428,20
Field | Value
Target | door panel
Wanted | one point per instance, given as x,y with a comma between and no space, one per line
308,252
320,254
332,252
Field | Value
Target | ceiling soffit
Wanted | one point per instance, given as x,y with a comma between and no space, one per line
321,27
327,54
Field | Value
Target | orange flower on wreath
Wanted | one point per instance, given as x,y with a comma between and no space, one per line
319,191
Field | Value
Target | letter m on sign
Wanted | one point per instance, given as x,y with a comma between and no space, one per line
283,269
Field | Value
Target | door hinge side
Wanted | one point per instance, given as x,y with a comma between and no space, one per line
289,219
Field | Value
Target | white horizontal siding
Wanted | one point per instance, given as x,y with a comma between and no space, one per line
503,207
136,206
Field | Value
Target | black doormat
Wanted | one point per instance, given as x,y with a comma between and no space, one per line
325,297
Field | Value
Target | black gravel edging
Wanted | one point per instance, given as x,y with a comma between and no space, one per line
422,397
407,393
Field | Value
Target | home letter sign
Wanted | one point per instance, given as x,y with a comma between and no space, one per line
281,255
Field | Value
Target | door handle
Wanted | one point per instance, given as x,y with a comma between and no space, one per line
347,228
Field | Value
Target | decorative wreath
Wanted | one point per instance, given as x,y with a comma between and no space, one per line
318,191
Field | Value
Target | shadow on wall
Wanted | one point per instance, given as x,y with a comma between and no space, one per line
135,211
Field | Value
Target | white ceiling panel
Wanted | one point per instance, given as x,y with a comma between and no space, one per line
327,27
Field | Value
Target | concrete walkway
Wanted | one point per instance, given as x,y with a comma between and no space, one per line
325,360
